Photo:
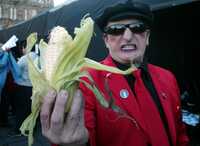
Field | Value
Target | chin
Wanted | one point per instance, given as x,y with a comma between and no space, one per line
136,60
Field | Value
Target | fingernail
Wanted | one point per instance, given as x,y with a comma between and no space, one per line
63,93
52,93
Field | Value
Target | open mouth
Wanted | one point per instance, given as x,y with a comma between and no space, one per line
128,47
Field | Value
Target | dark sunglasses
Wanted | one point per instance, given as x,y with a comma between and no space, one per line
118,29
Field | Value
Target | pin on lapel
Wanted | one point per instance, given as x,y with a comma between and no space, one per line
164,95
124,93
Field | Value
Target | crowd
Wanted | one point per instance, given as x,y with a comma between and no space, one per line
15,87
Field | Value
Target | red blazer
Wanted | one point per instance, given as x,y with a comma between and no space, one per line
142,125
107,128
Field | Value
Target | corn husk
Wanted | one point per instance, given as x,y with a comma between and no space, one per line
62,65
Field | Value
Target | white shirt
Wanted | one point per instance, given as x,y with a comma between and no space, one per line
23,64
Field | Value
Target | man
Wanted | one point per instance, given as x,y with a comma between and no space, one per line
23,91
149,96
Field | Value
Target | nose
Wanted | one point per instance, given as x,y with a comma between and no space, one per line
127,34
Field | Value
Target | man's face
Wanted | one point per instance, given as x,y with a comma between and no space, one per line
124,45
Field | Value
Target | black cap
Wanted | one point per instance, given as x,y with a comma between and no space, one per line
128,9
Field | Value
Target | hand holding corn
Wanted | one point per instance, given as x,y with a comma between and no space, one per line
61,66
58,127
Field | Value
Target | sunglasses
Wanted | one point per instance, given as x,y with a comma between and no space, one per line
119,29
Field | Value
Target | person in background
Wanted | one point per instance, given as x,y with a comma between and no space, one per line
23,65
1,53
149,97
23,92
3,99
9,72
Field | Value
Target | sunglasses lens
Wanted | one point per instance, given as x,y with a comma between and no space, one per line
138,28
115,29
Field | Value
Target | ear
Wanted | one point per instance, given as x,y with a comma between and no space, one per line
105,38
147,37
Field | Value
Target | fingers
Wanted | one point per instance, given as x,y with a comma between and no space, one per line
57,117
75,121
46,109
52,115
77,105
58,127
76,111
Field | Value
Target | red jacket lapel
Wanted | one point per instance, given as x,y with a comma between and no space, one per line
116,84
165,99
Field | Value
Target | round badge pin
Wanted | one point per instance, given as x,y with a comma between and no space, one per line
124,93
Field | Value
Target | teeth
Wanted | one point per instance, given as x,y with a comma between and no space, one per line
128,47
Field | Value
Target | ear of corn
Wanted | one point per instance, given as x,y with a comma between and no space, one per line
62,64
59,41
